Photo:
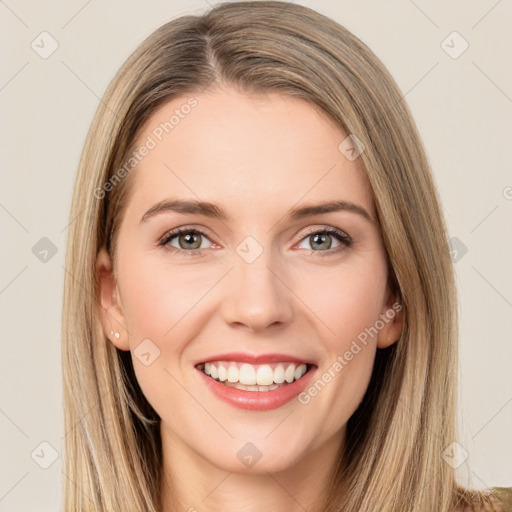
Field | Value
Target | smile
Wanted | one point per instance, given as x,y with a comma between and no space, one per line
255,386
249,377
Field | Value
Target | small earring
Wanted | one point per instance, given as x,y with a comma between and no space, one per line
116,334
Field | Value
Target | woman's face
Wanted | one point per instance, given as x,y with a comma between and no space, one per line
254,291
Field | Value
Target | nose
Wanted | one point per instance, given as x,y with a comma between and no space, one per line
256,295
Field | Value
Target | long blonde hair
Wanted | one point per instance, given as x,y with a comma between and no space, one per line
397,435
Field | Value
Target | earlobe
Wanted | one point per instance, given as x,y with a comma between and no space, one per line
393,319
110,310
385,343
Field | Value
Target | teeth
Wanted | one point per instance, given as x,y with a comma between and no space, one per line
298,373
237,385
223,374
232,373
247,375
265,375
254,377
279,374
289,374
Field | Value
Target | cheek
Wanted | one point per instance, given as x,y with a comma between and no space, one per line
346,301
156,297
161,303
349,304
158,305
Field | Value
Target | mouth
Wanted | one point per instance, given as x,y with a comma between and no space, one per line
256,387
254,378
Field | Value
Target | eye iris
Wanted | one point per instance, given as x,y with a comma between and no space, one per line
321,239
188,238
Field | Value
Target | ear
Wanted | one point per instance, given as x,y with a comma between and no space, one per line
111,312
393,318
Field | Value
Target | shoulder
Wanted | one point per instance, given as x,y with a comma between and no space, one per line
503,498
498,499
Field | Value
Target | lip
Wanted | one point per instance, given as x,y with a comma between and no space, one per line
255,358
258,400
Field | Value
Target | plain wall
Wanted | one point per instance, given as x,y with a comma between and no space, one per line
462,106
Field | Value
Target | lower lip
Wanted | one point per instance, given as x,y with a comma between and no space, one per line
258,400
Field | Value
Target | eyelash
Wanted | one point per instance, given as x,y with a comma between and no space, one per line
342,237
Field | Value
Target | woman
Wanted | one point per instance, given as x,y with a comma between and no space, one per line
260,309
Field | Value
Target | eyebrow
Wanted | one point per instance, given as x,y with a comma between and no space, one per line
193,206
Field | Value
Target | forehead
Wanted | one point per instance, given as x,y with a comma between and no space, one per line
245,151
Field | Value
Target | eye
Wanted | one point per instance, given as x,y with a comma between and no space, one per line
185,241
321,240
188,241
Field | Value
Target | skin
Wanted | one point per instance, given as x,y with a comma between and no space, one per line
257,157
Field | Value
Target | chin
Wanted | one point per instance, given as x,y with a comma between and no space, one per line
257,456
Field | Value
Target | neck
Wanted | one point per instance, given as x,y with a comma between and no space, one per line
192,483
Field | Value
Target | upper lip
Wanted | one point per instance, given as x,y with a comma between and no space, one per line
255,358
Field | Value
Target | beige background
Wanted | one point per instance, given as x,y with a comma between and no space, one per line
463,107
